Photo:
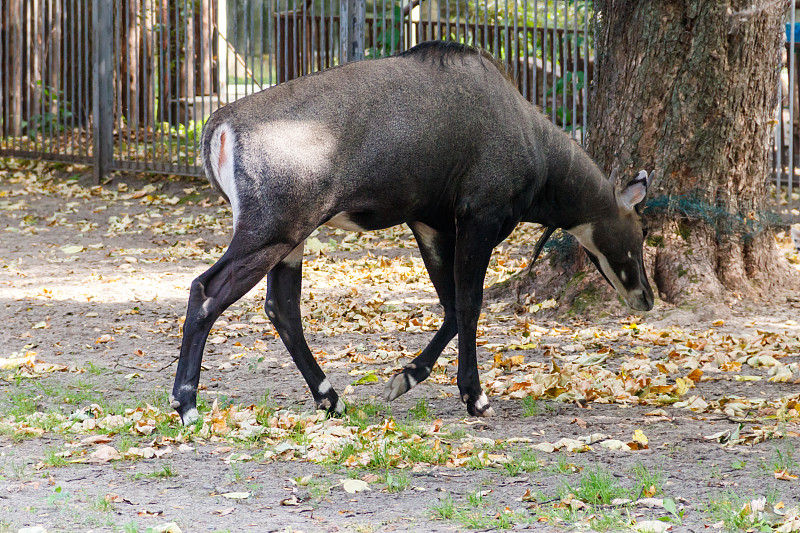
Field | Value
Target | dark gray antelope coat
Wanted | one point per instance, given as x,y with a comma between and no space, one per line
411,137
438,138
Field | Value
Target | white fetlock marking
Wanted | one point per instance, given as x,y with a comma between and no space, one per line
482,402
339,406
411,381
324,387
191,417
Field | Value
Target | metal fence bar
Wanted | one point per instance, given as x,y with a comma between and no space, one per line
787,135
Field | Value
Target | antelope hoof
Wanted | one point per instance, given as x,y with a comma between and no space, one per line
188,416
400,384
481,407
333,406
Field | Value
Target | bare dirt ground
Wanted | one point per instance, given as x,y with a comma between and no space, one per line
699,413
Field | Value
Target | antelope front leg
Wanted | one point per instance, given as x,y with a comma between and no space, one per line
474,243
283,309
437,251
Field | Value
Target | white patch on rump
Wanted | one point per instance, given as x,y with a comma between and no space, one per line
223,143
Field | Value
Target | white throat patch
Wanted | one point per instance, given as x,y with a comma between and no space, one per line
583,232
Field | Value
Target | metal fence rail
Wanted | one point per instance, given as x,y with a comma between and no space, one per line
46,80
786,142
127,84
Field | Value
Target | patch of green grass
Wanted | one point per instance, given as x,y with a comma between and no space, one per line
16,470
420,411
202,404
51,458
7,527
131,527
596,486
266,408
382,459
23,403
477,498
781,460
457,433
365,414
236,475
95,369
165,472
124,443
346,451
168,428
610,520
563,465
731,510
530,406
475,462
397,481
484,518
445,509
558,516
160,398
473,519
525,461
422,452
103,504
59,497
78,392
319,489
649,480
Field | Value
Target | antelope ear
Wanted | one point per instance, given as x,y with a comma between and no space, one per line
613,176
635,191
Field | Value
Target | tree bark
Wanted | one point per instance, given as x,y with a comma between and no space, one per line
689,88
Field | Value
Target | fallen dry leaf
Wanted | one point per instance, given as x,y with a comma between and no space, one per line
784,475
351,486
236,495
105,453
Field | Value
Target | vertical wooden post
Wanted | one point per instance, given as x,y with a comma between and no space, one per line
351,30
103,94
15,83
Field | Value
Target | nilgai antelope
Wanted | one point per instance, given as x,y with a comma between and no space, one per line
437,138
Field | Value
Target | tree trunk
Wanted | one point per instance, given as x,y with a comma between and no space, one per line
689,88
